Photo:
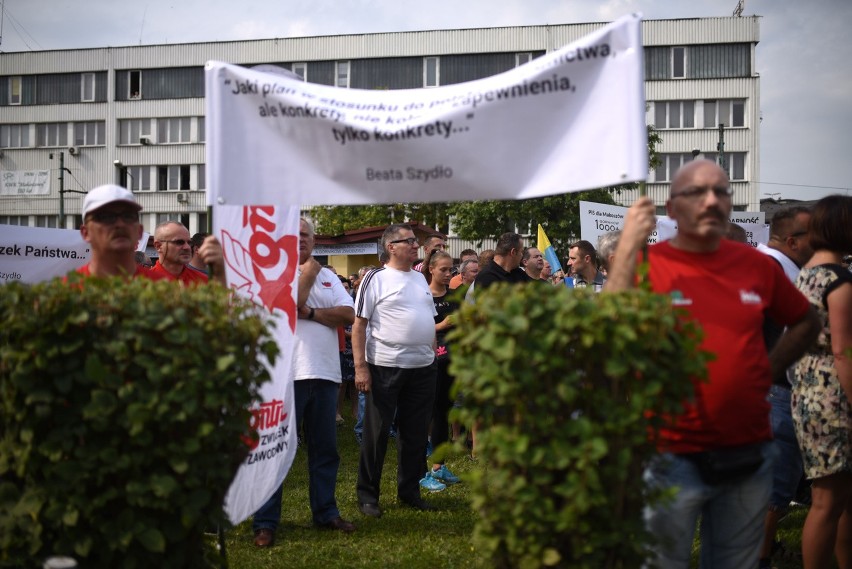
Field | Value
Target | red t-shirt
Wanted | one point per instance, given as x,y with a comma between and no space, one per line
187,275
728,291
141,272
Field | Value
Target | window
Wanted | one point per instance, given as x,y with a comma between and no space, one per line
733,163
202,179
729,112
173,131
301,69
669,164
90,133
52,134
341,75
431,71
87,87
14,135
131,130
174,177
46,221
674,114
136,178
15,90
134,85
678,62
522,58
14,220
202,129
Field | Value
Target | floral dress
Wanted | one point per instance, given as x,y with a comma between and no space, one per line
821,411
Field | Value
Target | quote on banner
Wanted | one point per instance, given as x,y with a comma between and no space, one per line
597,219
570,120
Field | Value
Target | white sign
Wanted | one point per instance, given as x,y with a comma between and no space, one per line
597,219
347,249
570,120
261,250
35,254
25,183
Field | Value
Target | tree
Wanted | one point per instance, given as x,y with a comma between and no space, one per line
334,220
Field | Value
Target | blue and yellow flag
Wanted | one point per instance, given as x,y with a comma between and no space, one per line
547,250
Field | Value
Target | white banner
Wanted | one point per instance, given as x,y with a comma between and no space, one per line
597,219
25,183
261,248
347,249
34,254
570,120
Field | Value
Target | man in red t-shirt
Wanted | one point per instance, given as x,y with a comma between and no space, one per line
112,229
174,246
728,288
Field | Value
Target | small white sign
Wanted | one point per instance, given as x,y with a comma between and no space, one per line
25,183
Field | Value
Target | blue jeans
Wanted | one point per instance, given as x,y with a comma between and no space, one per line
731,514
359,423
316,410
788,464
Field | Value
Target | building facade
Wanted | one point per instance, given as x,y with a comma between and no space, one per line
135,115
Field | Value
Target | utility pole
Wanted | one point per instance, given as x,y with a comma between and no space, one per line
62,190
720,147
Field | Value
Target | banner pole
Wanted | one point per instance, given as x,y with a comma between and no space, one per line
210,269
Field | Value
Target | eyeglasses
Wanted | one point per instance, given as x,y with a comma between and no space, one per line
721,192
410,241
178,242
110,217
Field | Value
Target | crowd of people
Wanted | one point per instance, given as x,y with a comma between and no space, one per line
777,404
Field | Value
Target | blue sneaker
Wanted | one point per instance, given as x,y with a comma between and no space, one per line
444,475
431,484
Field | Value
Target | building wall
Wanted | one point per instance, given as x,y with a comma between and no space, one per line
165,82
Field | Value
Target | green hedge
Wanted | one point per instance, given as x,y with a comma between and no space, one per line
123,407
560,382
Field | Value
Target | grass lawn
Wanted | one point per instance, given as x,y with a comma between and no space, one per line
402,537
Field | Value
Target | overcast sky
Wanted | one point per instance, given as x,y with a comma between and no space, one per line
804,56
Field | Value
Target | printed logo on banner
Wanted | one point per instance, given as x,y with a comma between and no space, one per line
265,273
269,415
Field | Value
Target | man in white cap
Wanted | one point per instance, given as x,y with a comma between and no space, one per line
112,229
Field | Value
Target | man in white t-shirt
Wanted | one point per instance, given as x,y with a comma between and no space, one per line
324,305
395,367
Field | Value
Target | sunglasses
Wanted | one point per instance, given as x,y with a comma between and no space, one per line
110,217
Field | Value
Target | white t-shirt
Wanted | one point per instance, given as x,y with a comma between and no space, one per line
316,350
790,268
401,315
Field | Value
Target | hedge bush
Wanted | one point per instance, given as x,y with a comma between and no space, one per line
566,386
123,406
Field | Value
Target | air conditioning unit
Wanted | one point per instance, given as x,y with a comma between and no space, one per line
73,150
145,141
182,197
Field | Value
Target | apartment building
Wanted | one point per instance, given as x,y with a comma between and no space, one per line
73,119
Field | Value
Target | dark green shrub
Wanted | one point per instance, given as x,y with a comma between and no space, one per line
560,382
123,404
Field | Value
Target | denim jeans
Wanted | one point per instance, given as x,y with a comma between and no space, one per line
359,423
788,463
316,410
731,514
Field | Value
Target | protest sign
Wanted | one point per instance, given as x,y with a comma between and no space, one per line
261,250
540,129
597,219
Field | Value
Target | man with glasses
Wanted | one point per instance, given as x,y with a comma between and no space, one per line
395,367
112,229
790,247
716,456
174,246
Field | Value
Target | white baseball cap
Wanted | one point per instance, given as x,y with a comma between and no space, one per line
107,194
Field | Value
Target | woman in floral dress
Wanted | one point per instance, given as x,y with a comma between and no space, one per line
822,396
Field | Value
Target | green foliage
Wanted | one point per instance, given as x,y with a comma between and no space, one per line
333,220
561,383
123,406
